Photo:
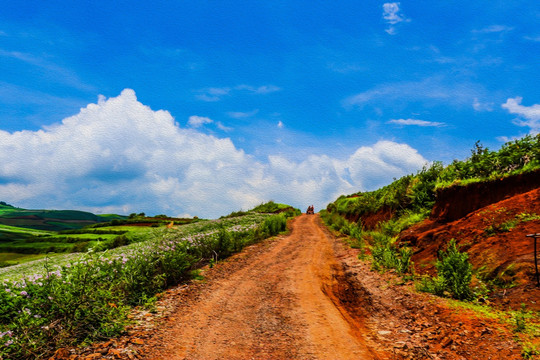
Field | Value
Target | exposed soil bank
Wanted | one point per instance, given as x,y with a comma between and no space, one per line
494,237
456,202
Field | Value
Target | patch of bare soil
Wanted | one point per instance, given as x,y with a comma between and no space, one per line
303,296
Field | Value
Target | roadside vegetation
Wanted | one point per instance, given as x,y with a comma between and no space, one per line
80,298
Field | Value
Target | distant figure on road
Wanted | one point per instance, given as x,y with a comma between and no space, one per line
310,210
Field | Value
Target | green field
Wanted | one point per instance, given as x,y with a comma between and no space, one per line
27,235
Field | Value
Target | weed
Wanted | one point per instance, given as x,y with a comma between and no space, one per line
196,275
456,271
520,319
454,275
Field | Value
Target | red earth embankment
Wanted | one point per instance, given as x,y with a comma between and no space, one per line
456,202
490,222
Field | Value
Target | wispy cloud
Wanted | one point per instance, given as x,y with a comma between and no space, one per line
478,106
433,88
346,68
242,115
533,38
216,94
222,127
280,124
531,114
265,89
493,29
392,15
57,73
213,94
416,122
198,121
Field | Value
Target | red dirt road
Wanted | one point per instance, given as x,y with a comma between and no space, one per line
279,306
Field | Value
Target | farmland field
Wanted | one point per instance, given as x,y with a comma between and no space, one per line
27,235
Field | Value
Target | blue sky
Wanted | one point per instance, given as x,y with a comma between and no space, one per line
302,101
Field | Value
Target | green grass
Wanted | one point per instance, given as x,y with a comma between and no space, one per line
10,259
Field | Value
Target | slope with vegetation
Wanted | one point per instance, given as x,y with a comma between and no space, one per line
459,230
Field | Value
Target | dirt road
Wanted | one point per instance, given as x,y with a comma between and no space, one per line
280,305
304,295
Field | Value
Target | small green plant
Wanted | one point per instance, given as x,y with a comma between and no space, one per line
149,303
520,319
454,275
196,275
529,351
455,271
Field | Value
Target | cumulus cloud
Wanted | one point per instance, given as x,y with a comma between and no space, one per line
392,15
530,115
121,156
416,122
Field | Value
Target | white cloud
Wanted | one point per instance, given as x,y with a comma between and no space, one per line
493,29
392,15
280,124
222,127
217,94
416,122
478,106
242,115
533,38
531,114
121,156
265,89
433,88
198,121
55,73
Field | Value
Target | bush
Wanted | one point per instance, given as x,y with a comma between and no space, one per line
387,255
454,274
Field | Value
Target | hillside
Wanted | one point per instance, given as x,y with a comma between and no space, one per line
50,220
487,204
27,235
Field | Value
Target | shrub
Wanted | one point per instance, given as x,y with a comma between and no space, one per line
455,272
